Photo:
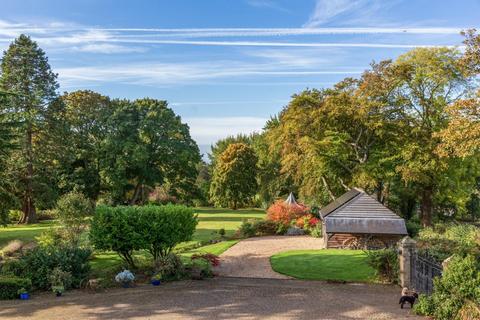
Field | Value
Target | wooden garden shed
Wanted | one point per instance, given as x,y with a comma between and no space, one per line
358,221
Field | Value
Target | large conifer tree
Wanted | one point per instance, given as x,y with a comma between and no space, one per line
26,72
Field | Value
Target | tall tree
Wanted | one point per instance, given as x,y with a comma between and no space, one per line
147,145
421,85
25,70
85,116
7,145
234,180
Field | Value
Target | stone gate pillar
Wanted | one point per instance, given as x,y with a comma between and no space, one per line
406,253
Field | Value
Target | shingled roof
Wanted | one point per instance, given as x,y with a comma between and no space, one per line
357,212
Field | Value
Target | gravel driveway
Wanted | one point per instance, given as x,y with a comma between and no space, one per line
250,258
219,298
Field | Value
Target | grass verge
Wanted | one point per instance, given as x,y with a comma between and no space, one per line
329,264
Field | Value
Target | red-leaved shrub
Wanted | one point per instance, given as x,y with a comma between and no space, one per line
307,221
284,213
211,258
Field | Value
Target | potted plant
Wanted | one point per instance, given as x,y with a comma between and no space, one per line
59,280
23,294
125,278
156,279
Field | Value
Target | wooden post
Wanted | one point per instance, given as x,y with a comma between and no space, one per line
406,254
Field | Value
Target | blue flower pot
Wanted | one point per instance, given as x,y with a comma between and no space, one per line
125,284
24,296
155,282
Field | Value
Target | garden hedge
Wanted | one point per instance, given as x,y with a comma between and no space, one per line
10,285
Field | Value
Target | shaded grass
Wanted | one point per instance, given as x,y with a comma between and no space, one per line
328,264
23,232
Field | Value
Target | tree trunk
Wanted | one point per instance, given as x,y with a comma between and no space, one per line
426,206
28,207
135,194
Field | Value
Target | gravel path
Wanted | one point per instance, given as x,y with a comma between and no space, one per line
250,258
219,298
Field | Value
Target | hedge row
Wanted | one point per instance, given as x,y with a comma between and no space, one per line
10,285
157,229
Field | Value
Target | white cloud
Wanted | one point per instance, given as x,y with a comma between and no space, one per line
325,10
347,12
274,44
155,73
269,4
107,48
208,130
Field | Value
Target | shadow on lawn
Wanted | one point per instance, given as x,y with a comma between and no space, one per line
225,298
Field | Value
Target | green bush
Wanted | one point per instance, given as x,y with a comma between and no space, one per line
413,228
254,227
163,227
117,229
170,267
282,229
265,227
459,283
443,240
38,264
157,229
247,228
316,231
14,216
11,285
385,262
72,210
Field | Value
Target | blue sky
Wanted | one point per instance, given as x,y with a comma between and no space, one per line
225,66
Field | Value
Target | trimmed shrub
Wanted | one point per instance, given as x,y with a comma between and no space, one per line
283,213
247,228
459,284
38,264
157,229
265,227
117,229
253,227
10,285
163,227
385,262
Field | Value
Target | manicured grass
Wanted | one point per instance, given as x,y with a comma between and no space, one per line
211,220
23,232
329,264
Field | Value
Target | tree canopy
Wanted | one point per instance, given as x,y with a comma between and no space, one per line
234,176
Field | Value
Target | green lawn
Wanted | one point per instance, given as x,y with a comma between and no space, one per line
329,264
22,232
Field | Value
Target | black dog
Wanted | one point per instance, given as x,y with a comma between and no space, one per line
410,299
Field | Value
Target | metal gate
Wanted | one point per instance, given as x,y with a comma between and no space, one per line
424,269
